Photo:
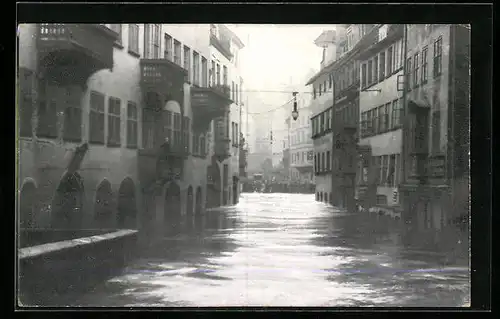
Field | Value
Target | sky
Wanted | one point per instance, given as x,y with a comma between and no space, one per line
274,56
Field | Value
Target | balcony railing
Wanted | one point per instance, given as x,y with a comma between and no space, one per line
92,40
162,72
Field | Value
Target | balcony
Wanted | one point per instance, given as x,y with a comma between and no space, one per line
222,149
71,53
223,46
208,104
163,77
162,164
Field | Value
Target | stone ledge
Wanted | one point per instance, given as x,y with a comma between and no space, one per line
35,251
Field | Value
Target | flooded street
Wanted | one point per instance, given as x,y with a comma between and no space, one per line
284,250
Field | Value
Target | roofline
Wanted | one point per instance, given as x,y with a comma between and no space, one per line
349,54
234,37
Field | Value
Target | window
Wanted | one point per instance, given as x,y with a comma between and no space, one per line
133,38
396,114
381,118
438,57
232,90
152,41
204,72
369,123
237,95
322,123
196,68
187,62
323,161
375,120
423,77
384,169
416,65
233,132
168,53
375,69
320,89
224,75
397,56
177,142
148,123
185,134
363,75
330,81
114,121
436,132
324,86
177,52
203,151
314,93
218,74
236,138
387,116
131,125
363,124
212,74
370,74
196,145
408,74
118,29
327,160
389,61
167,126
327,120
382,66
72,113
391,176
96,118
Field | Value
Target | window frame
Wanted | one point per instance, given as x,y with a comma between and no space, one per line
99,115
132,125
423,77
114,122
133,38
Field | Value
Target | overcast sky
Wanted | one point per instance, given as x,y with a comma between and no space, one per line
274,55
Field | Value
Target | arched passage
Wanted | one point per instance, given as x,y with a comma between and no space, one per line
127,206
103,209
26,203
189,208
172,212
236,194
198,218
214,185
67,204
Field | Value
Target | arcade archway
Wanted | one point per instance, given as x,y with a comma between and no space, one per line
67,204
127,206
236,194
198,218
103,211
26,203
172,213
189,208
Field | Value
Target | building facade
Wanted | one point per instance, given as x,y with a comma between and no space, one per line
379,161
336,113
301,144
435,158
110,134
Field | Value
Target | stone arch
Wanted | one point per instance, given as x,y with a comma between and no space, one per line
67,205
236,194
172,209
103,206
26,203
127,205
189,207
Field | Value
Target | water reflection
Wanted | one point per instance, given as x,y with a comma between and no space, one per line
284,250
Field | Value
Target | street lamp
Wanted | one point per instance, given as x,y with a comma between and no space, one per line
295,112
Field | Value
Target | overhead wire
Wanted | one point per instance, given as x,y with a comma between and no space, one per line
272,110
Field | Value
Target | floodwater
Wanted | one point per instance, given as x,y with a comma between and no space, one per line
284,250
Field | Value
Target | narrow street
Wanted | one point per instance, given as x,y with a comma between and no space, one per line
283,250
